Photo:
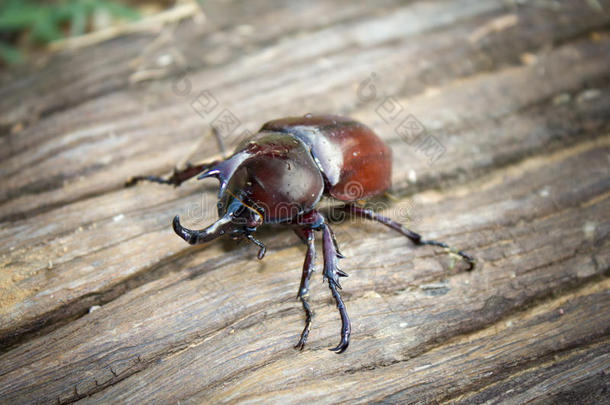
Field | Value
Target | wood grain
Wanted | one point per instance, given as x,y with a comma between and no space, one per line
100,302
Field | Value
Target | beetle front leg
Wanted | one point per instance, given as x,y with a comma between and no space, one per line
414,237
307,235
177,177
332,273
314,220
262,248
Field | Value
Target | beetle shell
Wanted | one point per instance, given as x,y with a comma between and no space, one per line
283,170
279,178
279,175
355,163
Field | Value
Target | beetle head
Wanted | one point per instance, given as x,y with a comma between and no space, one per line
271,178
237,220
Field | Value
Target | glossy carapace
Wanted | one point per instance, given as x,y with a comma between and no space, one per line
280,174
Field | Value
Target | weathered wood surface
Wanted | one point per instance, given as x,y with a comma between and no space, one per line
518,95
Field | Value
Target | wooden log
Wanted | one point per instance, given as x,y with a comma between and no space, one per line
99,301
91,234
201,327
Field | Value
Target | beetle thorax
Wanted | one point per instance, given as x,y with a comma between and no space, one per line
280,179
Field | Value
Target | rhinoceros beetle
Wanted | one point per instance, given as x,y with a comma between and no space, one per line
279,175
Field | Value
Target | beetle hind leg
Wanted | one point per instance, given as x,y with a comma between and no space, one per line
467,258
414,237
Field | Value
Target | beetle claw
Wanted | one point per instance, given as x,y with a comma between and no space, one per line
342,346
341,273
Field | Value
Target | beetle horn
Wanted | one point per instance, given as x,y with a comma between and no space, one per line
217,229
225,224
224,170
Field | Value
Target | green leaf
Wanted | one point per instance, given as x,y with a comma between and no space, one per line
43,20
10,54
44,29
17,18
78,19
118,10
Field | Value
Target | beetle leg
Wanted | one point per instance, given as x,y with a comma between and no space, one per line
263,248
415,237
177,177
180,176
307,235
339,254
332,273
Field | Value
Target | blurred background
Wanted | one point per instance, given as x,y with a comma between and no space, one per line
31,26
